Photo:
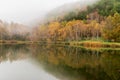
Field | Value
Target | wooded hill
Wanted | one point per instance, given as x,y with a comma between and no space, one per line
99,21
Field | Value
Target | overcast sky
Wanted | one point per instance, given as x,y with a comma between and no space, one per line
24,11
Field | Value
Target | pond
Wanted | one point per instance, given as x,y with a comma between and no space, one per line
50,62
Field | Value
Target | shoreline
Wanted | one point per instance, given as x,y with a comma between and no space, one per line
87,44
91,44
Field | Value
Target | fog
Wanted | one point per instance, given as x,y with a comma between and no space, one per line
28,11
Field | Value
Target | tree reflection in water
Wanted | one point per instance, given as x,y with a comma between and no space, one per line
69,63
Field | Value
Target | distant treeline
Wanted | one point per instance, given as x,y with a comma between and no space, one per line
13,31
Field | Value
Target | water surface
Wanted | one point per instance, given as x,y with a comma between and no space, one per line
48,62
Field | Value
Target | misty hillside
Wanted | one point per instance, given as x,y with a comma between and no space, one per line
77,21
60,12
80,10
66,8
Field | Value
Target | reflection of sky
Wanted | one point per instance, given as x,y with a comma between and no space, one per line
23,11
23,70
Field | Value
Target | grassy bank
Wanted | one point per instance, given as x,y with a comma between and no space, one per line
87,44
92,44
17,42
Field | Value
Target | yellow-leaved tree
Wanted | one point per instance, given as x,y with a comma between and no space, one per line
111,30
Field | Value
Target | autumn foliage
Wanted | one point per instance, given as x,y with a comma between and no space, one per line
96,23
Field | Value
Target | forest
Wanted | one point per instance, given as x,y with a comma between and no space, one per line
100,21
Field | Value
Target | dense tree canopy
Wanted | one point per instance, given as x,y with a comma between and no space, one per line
103,7
112,28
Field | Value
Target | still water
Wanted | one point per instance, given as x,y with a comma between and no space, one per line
48,62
